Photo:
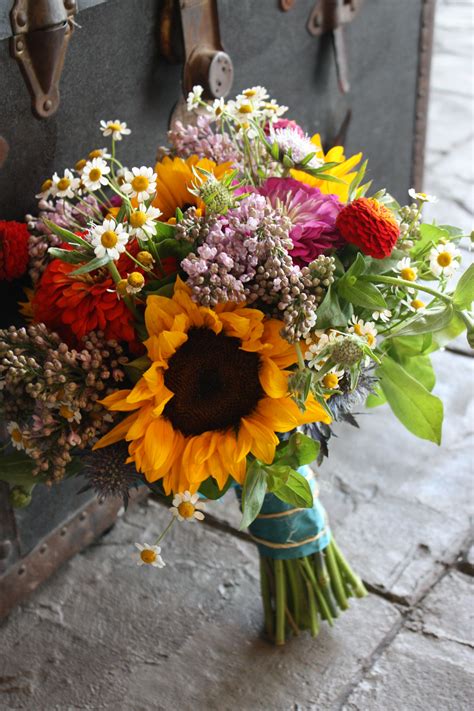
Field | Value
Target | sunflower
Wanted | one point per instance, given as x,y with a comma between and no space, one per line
341,171
175,176
216,391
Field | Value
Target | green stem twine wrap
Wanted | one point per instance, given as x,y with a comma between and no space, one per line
304,576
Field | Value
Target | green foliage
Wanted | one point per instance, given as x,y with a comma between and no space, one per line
330,314
416,408
96,263
71,256
464,293
253,493
136,368
68,236
210,490
430,235
434,319
357,292
290,486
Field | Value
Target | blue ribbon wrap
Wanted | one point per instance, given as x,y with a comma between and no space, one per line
282,531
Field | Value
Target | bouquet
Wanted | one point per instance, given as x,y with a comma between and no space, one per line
205,323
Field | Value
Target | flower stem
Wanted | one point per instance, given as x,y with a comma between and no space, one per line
266,598
280,601
299,353
353,579
337,586
115,274
163,534
378,279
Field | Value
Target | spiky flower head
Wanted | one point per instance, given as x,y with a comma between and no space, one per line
108,475
217,195
346,352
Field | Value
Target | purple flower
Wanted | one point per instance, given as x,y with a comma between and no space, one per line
312,214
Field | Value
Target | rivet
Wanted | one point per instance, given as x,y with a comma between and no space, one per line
21,570
43,548
83,516
21,19
63,531
48,105
20,45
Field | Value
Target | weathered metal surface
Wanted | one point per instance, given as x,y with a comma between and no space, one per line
41,33
422,92
64,541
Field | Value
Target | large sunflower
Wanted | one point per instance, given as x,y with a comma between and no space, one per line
216,391
175,176
341,171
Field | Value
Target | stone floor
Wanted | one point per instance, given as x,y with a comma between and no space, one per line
103,634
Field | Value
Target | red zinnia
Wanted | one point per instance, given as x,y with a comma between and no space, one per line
369,225
13,249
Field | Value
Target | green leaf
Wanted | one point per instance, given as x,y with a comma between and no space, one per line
464,293
359,266
67,235
67,255
96,263
361,293
447,334
295,491
417,409
303,448
430,234
376,398
210,490
421,369
307,159
275,151
356,181
329,313
408,346
164,230
137,367
432,320
253,493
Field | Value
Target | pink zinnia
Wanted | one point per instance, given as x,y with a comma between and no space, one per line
312,214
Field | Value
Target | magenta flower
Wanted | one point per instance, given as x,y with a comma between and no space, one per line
312,214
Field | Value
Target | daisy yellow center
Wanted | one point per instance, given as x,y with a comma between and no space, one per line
186,509
245,109
270,107
249,92
145,258
122,287
16,436
115,126
444,259
139,183
408,273
80,164
205,375
138,218
148,556
96,153
136,280
218,111
358,329
330,381
66,412
370,339
46,185
95,174
417,304
109,239
64,183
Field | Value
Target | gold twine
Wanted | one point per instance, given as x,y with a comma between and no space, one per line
294,544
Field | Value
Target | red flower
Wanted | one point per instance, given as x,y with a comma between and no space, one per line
369,225
13,249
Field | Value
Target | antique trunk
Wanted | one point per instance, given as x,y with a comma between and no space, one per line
354,70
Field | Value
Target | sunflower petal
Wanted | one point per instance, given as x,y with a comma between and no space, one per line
116,433
273,380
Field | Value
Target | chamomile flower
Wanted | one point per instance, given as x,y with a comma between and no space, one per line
135,283
109,239
272,110
422,197
47,188
217,108
385,315
16,436
194,97
142,221
415,305
70,414
407,270
116,129
150,555
255,94
99,153
444,259
94,174
186,507
316,343
364,329
330,381
66,185
139,183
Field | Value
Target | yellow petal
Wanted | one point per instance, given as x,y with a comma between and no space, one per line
117,433
264,440
277,413
273,380
140,392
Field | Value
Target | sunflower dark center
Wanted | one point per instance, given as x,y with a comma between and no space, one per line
213,381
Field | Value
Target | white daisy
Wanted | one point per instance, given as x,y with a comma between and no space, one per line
331,379
69,414
99,153
94,172
385,315
139,183
364,329
217,108
444,259
65,186
255,94
16,436
143,221
415,305
109,239
194,97
297,146
272,110
407,270
116,129
150,555
47,188
186,507
422,197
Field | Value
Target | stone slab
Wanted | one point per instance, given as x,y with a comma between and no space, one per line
105,634
417,673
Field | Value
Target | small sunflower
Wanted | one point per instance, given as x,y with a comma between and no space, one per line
175,179
341,171
217,390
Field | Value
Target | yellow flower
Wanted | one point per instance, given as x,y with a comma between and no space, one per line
341,171
175,177
217,390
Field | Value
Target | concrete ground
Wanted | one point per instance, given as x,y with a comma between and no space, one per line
104,634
